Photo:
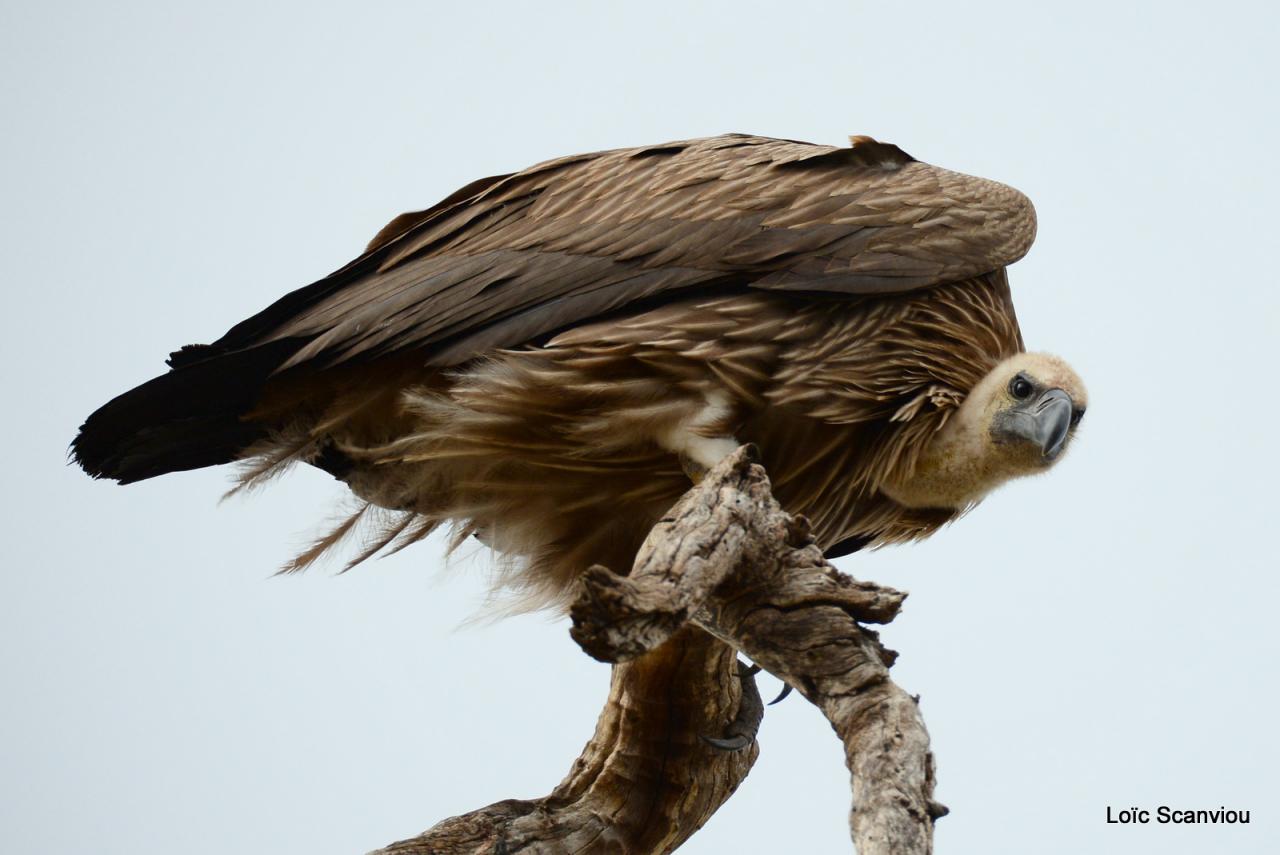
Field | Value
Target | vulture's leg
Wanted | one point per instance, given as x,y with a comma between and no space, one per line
742,731
693,468
699,453
701,439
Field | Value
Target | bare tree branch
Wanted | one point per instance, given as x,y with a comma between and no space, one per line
730,562
645,781
747,572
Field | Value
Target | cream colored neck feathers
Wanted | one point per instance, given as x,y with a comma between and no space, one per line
1017,421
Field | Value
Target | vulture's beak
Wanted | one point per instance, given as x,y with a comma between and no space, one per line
1052,419
1045,422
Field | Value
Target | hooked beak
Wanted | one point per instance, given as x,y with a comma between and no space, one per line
1045,422
1052,418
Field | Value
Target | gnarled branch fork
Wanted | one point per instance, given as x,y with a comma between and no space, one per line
727,569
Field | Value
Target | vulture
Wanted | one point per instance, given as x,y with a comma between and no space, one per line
544,359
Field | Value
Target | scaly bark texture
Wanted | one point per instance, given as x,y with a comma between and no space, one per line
725,563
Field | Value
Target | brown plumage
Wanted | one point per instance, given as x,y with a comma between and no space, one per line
542,356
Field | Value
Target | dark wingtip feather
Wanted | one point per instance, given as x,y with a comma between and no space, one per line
189,418
119,448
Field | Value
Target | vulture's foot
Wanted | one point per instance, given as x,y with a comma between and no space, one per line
742,731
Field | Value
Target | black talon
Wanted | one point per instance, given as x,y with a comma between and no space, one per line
786,690
736,743
741,732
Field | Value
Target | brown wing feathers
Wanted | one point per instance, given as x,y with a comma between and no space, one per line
510,259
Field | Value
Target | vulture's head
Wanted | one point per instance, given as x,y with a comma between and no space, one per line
1017,421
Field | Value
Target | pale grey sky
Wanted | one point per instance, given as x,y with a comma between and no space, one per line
1102,636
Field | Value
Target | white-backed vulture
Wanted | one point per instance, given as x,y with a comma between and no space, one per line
542,358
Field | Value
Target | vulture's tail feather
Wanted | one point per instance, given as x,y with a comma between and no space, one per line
188,418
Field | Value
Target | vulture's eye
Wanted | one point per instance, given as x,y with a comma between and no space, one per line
1021,388
1076,415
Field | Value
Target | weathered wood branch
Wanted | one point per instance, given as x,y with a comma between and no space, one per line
645,781
725,563
729,559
